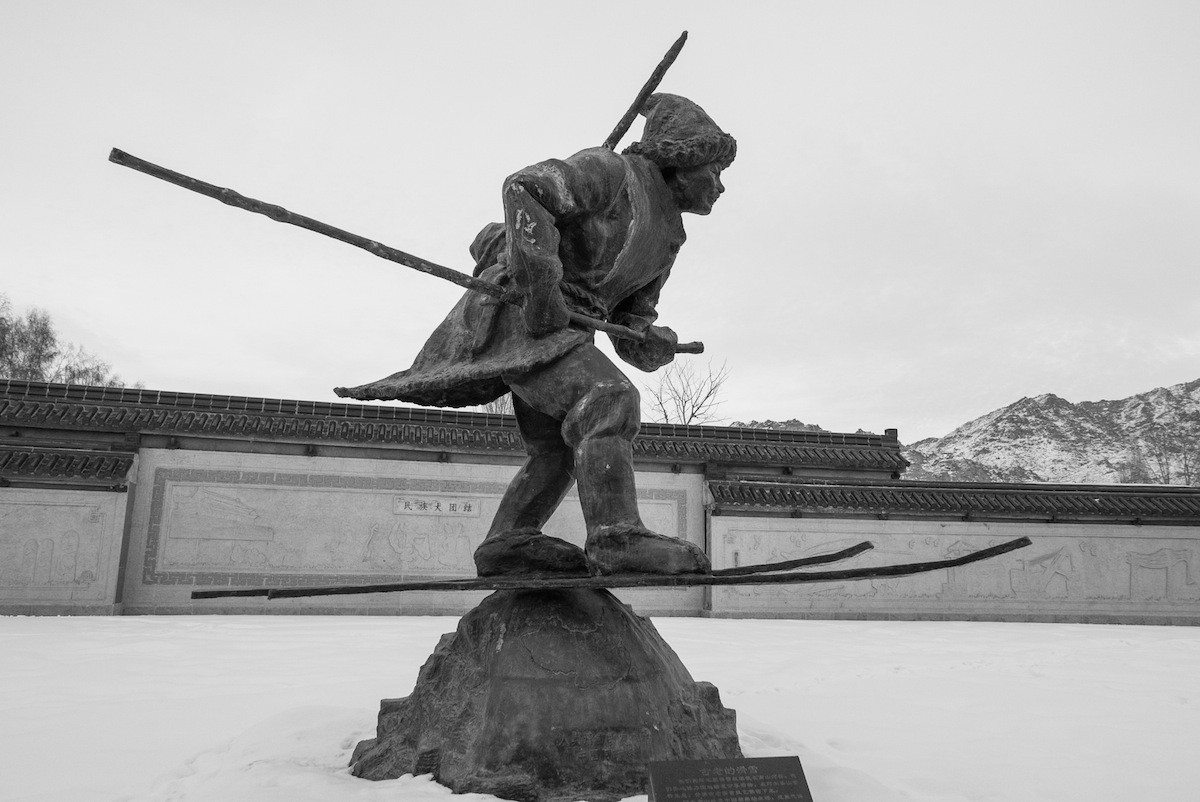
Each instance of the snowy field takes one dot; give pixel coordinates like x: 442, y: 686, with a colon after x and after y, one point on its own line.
x: 268, y: 709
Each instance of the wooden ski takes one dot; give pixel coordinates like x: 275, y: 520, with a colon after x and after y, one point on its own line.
x: 762, y: 576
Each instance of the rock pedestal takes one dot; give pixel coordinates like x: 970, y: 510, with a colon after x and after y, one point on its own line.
x: 544, y: 696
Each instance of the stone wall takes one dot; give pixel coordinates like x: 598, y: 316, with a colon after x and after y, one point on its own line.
x: 1095, y: 572
x: 60, y: 551
x: 125, y: 501
x: 208, y: 520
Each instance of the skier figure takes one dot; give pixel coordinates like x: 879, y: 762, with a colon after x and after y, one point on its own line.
x: 595, y: 233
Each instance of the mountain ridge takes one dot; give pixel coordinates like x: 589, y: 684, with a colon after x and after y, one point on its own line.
x: 1151, y: 437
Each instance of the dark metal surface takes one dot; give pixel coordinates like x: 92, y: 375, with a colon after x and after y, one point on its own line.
x: 626, y: 581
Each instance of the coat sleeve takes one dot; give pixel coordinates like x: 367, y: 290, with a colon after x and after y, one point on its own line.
x: 638, y: 312
x: 537, y: 202
x: 570, y: 188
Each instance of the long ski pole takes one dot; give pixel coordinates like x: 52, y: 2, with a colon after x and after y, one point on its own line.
x: 625, y: 580
x: 647, y: 90
x: 282, y: 215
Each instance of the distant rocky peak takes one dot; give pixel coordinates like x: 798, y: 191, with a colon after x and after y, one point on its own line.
x: 787, y: 425
x: 1149, y: 437
x: 790, y: 425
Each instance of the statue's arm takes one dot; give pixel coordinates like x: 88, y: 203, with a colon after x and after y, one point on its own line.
x: 537, y: 201
x: 638, y: 312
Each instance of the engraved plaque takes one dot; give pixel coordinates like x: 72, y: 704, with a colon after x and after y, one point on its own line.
x: 436, y: 505
x: 760, y: 779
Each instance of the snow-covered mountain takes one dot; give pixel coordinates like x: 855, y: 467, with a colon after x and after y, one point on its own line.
x: 788, y: 425
x: 1151, y: 437
x: 792, y: 425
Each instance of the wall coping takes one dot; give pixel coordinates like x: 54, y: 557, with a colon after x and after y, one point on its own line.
x: 1048, y: 503
x: 132, y: 410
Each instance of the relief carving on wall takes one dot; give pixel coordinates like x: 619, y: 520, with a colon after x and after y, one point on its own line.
x: 50, y: 546
x: 1047, y: 576
x: 220, y: 527
x: 1165, y: 575
x: 1064, y: 568
x: 318, y: 530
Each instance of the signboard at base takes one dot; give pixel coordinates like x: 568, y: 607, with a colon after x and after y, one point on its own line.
x: 759, y: 779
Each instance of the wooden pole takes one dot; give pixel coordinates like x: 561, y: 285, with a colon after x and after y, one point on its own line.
x: 626, y: 581
x: 647, y: 90
x: 282, y: 215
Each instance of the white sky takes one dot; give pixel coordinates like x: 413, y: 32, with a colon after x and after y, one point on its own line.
x: 937, y: 207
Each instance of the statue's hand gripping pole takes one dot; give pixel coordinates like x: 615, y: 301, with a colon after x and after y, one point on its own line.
x: 282, y: 215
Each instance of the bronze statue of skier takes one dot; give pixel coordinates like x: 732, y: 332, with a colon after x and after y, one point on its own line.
x: 596, y: 233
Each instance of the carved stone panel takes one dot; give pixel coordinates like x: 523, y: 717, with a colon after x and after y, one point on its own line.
x: 1123, y: 571
x: 206, y: 519
x: 212, y: 527
x: 59, y: 547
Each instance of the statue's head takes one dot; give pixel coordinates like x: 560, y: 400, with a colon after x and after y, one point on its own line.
x: 689, y: 147
x: 679, y: 133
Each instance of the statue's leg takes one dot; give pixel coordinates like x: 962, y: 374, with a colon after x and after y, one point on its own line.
x: 548, y: 473
x: 600, y: 410
x: 515, y: 543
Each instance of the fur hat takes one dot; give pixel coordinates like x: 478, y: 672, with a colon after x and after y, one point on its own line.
x: 678, y: 133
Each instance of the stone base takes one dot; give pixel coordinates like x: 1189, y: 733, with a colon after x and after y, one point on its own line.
x: 542, y: 696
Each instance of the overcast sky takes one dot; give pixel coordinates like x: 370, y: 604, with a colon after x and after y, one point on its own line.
x: 937, y: 207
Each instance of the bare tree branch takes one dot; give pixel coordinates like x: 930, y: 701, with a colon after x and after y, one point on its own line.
x: 685, y: 395
x: 501, y: 406
x: 1161, y: 447
x: 31, y: 350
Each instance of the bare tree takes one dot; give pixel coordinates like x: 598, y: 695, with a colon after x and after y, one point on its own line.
x: 1188, y: 466
x: 31, y: 350
x: 1161, y: 447
x: 501, y: 406
x: 28, y: 344
x: 684, y: 394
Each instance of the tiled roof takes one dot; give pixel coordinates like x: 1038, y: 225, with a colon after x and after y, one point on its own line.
x: 33, y: 464
x: 753, y: 451
x: 123, y: 410
x: 107, y: 409
x: 1144, y: 504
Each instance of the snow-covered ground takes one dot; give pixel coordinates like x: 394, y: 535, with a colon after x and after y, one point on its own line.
x: 268, y: 709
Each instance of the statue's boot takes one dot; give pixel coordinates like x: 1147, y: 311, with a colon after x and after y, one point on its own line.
x: 634, y: 549
x: 592, y: 444
x: 529, y: 552
x: 515, y: 544
x: 618, y: 542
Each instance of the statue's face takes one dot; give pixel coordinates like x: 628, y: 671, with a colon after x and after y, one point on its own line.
x: 696, y: 189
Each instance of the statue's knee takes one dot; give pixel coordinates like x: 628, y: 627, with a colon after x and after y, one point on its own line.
x: 610, y: 409
x: 552, y: 449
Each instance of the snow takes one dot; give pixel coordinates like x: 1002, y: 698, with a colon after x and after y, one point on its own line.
x: 228, y: 708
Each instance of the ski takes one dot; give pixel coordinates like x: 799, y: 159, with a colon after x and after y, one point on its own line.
x: 763, y: 576
x: 783, y: 565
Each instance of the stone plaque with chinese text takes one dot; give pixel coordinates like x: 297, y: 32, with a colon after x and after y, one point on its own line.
x: 436, y: 505
x: 762, y: 779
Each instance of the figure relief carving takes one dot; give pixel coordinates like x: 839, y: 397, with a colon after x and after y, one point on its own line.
x: 277, y: 525
x: 956, y: 585
x: 66, y: 552
x: 1046, y: 577
x: 1164, y: 574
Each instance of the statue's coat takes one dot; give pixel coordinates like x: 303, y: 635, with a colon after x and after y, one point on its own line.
x: 619, y: 229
